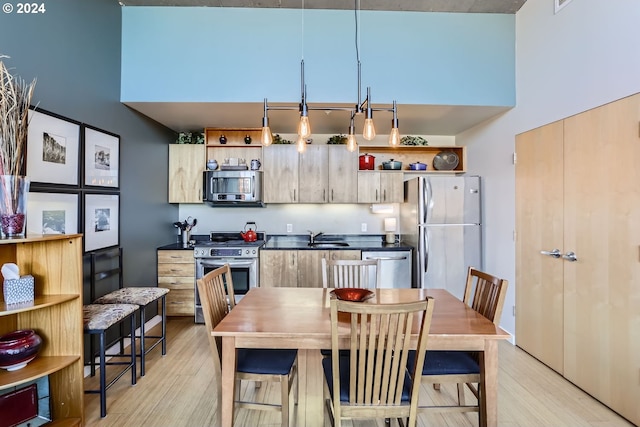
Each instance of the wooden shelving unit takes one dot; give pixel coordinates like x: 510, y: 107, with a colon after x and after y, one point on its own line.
x: 55, y: 262
x: 235, y: 145
x: 408, y: 154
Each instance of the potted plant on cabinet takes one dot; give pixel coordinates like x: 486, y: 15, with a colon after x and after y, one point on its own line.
x: 15, y: 98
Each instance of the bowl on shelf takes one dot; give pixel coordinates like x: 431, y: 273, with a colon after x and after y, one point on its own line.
x: 18, y: 348
x: 352, y: 294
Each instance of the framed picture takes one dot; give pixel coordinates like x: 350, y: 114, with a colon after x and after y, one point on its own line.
x: 53, y: 149
x: 559, y: 4
x: 52, y: 213
x: 101, y: 158
x: 101, y: 221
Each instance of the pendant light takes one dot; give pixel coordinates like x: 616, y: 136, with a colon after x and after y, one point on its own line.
x: 266, y: 137
x: 352, y: 144
x: 364, y: 107
x: 394, y: 136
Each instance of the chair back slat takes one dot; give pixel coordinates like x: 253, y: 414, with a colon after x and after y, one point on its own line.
x: 488, y: 294
x: 379, y: 342
x: 345, y: 273
x: 216, y: 296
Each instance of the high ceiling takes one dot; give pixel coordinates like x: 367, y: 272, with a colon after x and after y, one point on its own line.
x: 414, y: 119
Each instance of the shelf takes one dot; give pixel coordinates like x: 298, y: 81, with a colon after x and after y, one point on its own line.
x: 408, y: 154
x: 235, y: 137
x: 38, y: 367
x: 36, y: 304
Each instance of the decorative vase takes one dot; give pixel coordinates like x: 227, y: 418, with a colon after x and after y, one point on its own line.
x: 247, y: 139
x: 13, y: 204
x: 18, y: 348
x: 222, y: 139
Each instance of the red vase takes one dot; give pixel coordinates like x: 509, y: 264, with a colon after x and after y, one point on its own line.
x: 18, y: 348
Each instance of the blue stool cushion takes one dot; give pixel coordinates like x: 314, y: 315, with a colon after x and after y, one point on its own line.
x: 265, y: 361
x: 446, y: 362
x: 344, y: 379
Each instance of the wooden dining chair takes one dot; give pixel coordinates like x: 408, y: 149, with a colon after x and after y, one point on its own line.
x: 373, y: 380
x: 350, y: 273
x: 261, y: 365
x: 461, y: 367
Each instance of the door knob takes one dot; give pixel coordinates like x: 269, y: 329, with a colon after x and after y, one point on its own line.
x: 554, y: 253
x: 570, y: 256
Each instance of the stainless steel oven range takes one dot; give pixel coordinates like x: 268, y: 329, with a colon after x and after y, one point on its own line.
x: 228, y: 248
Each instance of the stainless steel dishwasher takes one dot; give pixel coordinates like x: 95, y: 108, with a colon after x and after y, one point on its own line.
x: 395, y: 267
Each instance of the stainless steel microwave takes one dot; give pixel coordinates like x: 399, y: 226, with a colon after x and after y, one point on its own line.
x: 233, y: 188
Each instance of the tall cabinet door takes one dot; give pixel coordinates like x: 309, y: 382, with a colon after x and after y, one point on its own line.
x: 314, y: 175
x: 539, y: 227
x: 343, y: 175
x: 281, y: 174
x: 602, y: 227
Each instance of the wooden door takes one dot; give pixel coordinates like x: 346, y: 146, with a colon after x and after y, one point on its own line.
x: 186, y: 165
x: 368, y: 187
x: 279, y: 268
x: 539, y: 227
x: 310, y: 268
x: 343, y: 175
x: 314, y: 175
x: 280, y: 174
x: 391, y: 187
x: 602, y: 227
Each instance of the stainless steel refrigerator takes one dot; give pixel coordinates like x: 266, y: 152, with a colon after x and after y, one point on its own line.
x: 441, y: 219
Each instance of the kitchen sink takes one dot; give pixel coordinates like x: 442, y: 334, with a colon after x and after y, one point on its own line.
x: 328, y: 244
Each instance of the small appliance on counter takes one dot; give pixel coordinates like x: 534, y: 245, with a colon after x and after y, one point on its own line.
x: 233, y: 249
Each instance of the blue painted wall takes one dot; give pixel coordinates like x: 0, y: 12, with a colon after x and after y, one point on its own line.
x: 175, y: 54
x: 73, y: 49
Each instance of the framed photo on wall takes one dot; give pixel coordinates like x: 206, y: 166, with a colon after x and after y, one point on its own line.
x: 101, y: 158
x: 52, y: 213
x: 53, y: 149
x: 101, y: 221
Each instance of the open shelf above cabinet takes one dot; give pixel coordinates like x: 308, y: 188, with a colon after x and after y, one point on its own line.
x: 414, y: 154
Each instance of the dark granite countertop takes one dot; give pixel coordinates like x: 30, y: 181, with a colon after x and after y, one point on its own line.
x: 362, y: 242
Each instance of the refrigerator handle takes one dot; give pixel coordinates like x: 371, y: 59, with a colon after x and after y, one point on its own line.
x: 424, y: 250
x: 427, y: 200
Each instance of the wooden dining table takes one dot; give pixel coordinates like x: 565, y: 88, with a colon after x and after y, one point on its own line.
x: 299, y: 318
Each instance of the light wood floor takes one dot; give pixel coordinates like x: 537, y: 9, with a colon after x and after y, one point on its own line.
x: 178, y: 390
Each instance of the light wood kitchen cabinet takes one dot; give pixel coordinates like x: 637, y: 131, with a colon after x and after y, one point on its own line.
x: 186, y: 164
x: 55, y: 262
x: 380, y: 187
x: 280, y: 174
x: 589, y: 199
x: 313, y: 175
x: 235, y: 145
x: 343, y: 175
x: 176, y: 272
x: 293, y: 268
x: 279, y: 268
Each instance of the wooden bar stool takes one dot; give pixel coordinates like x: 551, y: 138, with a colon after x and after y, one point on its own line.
x: 142, y: 297
x: 97, y: 319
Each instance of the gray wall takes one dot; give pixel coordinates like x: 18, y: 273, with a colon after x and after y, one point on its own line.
x: 73, y: 49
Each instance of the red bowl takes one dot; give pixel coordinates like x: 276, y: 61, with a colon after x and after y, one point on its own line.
x: 352, y: 294
x: 18, y: 348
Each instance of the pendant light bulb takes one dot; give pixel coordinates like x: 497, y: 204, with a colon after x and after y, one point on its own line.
x: 266, y: 137
x: 394, y: 136
x: 352, y: 144
x: 301, y: 144
x: 369, y: 131
x: 304, y: 127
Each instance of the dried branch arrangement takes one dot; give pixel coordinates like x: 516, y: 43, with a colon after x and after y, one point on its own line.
x: 15, y: 98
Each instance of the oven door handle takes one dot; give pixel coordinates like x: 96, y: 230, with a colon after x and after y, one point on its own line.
x: 222, y: 262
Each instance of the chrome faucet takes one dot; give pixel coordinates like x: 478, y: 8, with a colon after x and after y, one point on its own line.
x: 312, y: 237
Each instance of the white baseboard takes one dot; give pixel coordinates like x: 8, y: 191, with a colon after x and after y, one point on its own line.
x: 127, y: 342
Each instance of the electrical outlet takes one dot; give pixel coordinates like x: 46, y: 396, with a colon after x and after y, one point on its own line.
x: 289, y: 228
x: 363, y: 227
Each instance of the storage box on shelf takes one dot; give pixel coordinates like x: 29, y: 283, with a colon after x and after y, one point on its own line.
x: 55, y: 262
x: 408, y: 154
